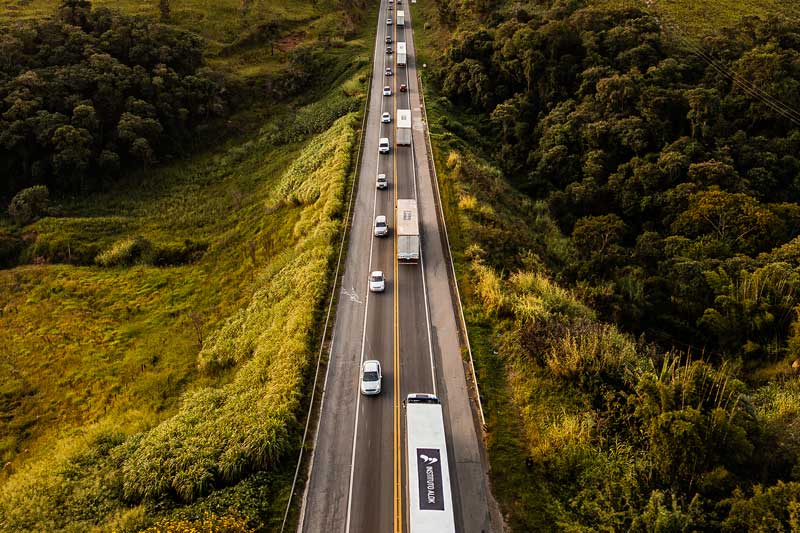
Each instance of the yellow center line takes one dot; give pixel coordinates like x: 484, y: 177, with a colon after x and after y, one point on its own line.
x: 398, y: 470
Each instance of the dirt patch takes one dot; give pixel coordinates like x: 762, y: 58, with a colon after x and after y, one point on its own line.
x: 290, y: 41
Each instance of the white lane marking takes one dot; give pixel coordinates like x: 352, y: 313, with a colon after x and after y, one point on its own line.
x: 363, y: 335
x: 352, y: 294
x: 421, y: 255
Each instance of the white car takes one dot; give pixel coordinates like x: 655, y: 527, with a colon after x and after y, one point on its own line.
x: 377, y: 283
x: 381, y: 182
x: 388, y: 22
x: 388, y: 71
x: 371, y: 377
x: 381, y: 226
x: 387, y: 91
x: 383, y: 145
x: 386, y: 117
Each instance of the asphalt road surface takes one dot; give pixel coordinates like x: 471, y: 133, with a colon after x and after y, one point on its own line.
x: 357, y: 481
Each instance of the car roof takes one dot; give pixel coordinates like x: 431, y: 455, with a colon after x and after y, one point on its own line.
x: 384, y: 139
x: 377, y: 272
x: 381, y: 175
x: 372, y: 364
x: 380, y: 218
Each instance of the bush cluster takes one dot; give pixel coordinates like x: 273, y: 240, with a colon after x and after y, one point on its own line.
x: 133, y: 250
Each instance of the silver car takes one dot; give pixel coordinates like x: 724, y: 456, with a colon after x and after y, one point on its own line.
x: 381, y: 226
x: 377, y: 283
x: 371, y: 377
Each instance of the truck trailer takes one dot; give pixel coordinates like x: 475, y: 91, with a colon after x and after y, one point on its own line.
x: 430, y: 499
x: 401, y: 18
x: 401, y: 54
x: 403, y: 127
x: 407, y: 231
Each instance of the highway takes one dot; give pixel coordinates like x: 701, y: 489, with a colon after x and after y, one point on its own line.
x: 357, y: 477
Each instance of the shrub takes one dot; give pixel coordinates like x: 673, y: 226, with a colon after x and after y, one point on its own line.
x: 210, y: 523
x: 171, y: 254
x: 593, y: 349
x: 29, y: 204
x: 124, y: 253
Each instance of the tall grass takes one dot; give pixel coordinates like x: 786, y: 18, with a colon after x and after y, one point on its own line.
x: 219, y: 434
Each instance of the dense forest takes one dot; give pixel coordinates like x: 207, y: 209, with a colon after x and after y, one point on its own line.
x: 89, y: 91
x: 677, y: 175
x: 661, y: 301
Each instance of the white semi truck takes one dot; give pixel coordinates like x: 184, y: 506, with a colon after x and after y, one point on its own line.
x: 403, y: 127
x: 401, y: 54
x: 407, y: 222
x: 430, y: 500
x: 401, y: 18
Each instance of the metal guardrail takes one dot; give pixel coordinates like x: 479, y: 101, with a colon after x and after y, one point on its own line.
x: 465, y: 333
x: 356, y: 170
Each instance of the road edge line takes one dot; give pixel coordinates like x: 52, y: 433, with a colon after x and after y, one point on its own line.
x: 440, y: 215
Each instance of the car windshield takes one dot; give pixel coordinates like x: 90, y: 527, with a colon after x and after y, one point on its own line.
x: 380, y: 223
x: 370, y: 376
x: 377, y: 278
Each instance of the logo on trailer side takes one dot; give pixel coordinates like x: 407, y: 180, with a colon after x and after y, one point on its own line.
x: 429, y: 478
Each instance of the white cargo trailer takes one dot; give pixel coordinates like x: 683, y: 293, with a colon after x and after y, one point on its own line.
x: 430, y: 501
x: 401, y: 18
x: 401, y: 54
x: 407, y: 231
x: 403, y: 127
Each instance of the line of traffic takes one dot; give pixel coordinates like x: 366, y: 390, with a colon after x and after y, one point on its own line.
x: 363, y: 342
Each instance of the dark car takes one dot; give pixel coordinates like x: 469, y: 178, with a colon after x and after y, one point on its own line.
x: 403, y: 87
x: 389, y: 50
x: 388, y: 40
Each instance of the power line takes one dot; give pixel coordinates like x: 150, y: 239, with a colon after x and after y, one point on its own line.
x: 783, y: 109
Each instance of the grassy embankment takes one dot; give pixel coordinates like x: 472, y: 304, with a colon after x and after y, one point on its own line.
x: 138, y: 391
x: 489, y: 222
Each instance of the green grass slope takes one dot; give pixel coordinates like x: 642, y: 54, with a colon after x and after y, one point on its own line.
x: 699, y: 18
x: 164, y: 381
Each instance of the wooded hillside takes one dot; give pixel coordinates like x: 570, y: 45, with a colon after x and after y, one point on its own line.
x: 627, y: 205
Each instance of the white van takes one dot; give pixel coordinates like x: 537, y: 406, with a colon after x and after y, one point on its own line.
x: 383, y: 145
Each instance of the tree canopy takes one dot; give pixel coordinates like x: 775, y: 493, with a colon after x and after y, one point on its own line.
x: 89, y: 91
x: 666, y: 167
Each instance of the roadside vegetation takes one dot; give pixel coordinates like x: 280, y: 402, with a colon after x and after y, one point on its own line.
x: 158, y: 326
x: 623, y: 207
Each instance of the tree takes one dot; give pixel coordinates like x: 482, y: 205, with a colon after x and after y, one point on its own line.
x: 597, y: 240
x: 73, y: 153
x: 29, y: 204
x: 736, y: 220
x: 704, y: 111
